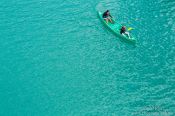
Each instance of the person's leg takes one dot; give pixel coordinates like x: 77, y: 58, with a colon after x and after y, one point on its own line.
x: 106, y: 20
x: 127, y: 33
x: 110, y: 20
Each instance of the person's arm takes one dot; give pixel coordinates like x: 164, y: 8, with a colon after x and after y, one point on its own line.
x: 110, y: 15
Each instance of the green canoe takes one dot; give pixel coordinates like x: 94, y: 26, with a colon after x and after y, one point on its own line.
x: 115, y: 28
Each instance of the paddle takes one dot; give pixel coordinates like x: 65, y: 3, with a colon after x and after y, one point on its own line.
x: 130, y: 28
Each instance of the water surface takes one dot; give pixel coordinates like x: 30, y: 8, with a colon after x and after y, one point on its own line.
x: 57, y: 58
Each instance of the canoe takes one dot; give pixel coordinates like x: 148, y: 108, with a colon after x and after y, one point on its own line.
x: 115, y: 28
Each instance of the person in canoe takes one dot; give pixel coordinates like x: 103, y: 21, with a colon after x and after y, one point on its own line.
x: 124, y: 32
x: 107, y: 16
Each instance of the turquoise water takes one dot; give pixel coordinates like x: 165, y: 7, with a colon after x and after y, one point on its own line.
x: 57, y: 59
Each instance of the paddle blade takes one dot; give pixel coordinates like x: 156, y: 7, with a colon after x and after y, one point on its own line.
x: 130, y: 28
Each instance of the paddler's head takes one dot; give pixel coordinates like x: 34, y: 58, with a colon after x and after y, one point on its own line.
x: 123, y: 28
x: 107, y: 11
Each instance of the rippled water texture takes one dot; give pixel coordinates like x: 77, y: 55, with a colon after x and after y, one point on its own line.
x: 57, y: 58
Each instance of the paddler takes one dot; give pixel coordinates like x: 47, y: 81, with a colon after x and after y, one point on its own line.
x: 124, y: 32
x: 107, y: 16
